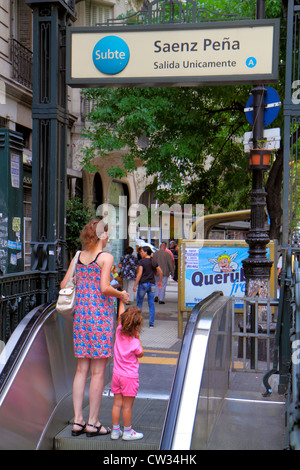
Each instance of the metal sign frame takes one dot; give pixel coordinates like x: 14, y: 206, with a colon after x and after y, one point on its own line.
x: 146, y: 81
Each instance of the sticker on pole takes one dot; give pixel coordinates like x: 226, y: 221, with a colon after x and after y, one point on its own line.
x: 111, y: 55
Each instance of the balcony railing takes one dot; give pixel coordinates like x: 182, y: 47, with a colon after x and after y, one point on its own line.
x: 21, y: 59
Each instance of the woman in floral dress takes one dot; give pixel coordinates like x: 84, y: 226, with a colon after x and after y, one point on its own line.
x: 93, y: 325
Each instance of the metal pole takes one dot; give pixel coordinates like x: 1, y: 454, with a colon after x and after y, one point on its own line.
x: 258, y: 91
x: 260, y: 9
x: 289, y: 112
x: 257, y: 266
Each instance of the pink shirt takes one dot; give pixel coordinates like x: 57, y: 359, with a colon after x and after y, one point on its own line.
x: 125, y: 354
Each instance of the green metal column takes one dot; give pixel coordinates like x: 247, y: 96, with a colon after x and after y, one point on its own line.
x: 289, y: 110
x: 11, y: 202
x: 50, y: 117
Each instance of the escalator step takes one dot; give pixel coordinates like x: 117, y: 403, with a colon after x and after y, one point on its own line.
x: 149, y: 442
x: 148, y: 418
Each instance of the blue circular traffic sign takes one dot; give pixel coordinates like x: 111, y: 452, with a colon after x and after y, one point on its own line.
x: 271, y: 106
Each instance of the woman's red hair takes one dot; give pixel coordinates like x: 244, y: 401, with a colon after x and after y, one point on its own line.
x: 88, y: 236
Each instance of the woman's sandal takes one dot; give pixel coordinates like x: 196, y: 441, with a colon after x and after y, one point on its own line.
x: 97, y: 433
x: 80, y: 431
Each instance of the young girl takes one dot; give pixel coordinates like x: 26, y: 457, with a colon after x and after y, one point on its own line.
x: 125, y: 381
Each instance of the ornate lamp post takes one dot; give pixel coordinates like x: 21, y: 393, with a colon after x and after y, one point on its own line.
x: 257, y: 266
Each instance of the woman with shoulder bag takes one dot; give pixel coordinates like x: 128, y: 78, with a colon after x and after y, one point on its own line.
x: 93, y: 324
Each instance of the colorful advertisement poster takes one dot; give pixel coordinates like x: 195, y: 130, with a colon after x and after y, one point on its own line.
x: 217, y: 267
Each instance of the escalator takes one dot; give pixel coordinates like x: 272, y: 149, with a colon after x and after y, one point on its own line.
x: 37, y: 371
x: 38, y: 367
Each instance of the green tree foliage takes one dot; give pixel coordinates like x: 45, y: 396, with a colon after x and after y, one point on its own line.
x: 190, y: 134
x: 78, y: 215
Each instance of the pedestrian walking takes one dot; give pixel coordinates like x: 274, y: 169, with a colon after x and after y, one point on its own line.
x: 125, y: 379
x: 93, y: 324
x: 174, y: 250
x: 165, y: 262
x: 128, y: 266
x: 138, y: 252
x: 145, y: 281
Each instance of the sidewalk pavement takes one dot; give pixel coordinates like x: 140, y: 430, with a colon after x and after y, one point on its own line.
x: 161, y: 346
x: 164, y: 335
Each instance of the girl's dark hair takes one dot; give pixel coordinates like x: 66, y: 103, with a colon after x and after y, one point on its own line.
x: 131, y: 320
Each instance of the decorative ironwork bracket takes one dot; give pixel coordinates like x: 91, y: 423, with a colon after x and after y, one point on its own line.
x: 171, y: 12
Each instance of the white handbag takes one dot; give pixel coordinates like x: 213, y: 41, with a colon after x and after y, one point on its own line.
x: 65, y: 304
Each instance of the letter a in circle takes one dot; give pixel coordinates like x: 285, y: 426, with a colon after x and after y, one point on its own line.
x: 251, y: 62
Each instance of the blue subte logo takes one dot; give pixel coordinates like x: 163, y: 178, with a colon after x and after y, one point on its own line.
x: 111, y: 55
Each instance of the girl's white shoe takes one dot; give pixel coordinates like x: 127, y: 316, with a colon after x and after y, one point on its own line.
x: 116, y: 434
x: 132, y: 435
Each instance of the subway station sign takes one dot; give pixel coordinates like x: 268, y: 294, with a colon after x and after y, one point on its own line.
x: 173, y: 55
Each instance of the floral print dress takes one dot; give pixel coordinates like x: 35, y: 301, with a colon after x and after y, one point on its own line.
x: 93, y: 322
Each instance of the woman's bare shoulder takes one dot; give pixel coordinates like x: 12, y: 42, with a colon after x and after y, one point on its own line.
x: 105, y: 258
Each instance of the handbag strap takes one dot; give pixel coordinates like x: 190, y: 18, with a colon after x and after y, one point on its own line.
x: 75, y: 263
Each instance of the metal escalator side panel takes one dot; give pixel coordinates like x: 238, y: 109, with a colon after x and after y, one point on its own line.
x: 15, y: 347
x: 179, y: 376
x: 215, y: 377
x: 190, y: 392
x: 37, y: 376
x: 29, y: 400
x: 201, y: 377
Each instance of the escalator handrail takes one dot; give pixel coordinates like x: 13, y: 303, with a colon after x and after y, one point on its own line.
x: 40, y: 313
x: 179, y: 376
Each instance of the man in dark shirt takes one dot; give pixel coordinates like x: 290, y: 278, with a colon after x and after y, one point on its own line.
x: 145, y: 281
x: 174, y: 249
